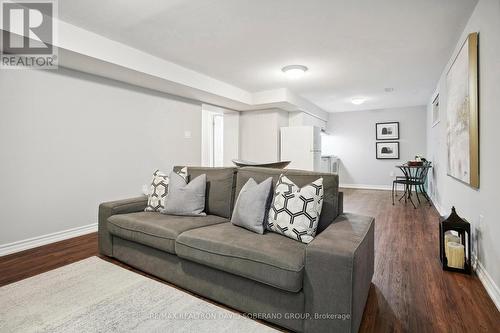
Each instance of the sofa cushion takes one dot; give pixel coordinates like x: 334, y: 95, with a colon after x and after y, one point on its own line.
x: 220, y: 188
x: 295, y: 211
x: 269, y: 258
x: 155, y: 229
x: 330, y: 209
x: 250, y: 210
x: 186, y: 199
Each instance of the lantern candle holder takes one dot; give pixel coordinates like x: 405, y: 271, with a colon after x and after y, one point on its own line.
x: 454, y: 243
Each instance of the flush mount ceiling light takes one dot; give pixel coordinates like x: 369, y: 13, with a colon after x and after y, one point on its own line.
x: 294, y: 71
x: 358, y: 101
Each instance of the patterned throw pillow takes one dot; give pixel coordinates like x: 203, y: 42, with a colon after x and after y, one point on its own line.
x: 159, y: 190
x: 295, y: 211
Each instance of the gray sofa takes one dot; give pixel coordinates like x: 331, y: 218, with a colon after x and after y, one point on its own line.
x: 317, y: 287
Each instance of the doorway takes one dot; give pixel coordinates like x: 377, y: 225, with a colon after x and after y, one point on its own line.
x: 217, y: 146
x: 212, y: 145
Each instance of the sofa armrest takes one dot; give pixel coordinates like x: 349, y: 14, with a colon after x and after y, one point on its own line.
x: 338, y: 271
x: 107, y: 209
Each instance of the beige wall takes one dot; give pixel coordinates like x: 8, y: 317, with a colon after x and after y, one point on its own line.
x: 447, y: 192
x: 69, y: 141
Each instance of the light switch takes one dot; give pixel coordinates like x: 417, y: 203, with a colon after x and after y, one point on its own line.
x: 187, y: 134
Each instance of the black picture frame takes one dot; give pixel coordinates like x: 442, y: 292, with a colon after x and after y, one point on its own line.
x: 390, y: 137
x: 386, y: 158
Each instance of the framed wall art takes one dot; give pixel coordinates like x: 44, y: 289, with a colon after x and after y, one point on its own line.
x: 387, y: 131
x: 387, y: 150
x: 462, y: 114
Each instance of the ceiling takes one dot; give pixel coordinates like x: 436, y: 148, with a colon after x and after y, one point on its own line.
x: 353, y: 48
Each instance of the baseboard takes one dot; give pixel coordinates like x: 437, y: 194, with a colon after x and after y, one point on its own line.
x: 488, y: 283
x: 438, y: 207
x: 367, y: 187
x: 46, y: 239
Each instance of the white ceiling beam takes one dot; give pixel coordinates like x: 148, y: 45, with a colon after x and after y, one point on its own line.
x: 88, y: 52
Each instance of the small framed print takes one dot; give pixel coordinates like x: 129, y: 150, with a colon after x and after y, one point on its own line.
x: 387, y: 131
x: 435, y: 111
x: 387, y: 150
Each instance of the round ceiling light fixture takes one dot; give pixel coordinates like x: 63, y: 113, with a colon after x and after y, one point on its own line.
x: 294, y: 71
x: 358, y: 100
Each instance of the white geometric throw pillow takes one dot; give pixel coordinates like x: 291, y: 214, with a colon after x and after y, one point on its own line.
x: 295, y: 211
x: 159, y: 190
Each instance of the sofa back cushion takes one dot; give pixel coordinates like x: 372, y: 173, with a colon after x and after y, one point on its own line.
x: 330, y: 209
x: 221, y: 182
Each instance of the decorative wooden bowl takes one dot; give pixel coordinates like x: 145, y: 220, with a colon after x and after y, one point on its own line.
x: 272, y: 165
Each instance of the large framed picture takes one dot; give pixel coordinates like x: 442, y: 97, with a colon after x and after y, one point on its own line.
x: 462, y: 114
x: 387, y: 131
x: 387, y: 150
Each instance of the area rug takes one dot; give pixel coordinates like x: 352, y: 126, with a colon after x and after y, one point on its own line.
x: 94, y: 295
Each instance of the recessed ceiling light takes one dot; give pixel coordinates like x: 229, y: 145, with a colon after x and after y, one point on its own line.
x: 389, y: 89
x: 294, y: 71
x: 358, y: 101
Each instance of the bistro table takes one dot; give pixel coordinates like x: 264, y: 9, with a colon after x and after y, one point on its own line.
x: 414, y: 176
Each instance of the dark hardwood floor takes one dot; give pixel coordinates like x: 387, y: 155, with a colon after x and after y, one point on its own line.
x: 409, y: 293
x: 21, y: 265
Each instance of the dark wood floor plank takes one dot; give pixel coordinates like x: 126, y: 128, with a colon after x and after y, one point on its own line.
x: 410, y: 292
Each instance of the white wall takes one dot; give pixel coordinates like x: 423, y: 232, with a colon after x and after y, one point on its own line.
x: 69, y: 141
x: 304, y: 119
x: 471, y: 203
x: 259, y: 134
x: 352, y: 139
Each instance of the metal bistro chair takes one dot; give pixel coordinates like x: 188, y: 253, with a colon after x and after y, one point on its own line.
x: 414, y: 176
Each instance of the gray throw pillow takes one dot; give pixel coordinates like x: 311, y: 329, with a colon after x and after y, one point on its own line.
x: 251, y: 206
x: 159, y: 190
x: 186, y: 199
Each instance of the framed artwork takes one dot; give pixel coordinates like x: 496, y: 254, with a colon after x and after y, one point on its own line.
x: 435, y: 111
x: 462, y: 114
x: 387, y: 150
x: 387, y: 131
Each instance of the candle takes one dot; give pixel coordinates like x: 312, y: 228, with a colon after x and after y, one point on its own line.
x: 450, y: 237
x: 456, y: 255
